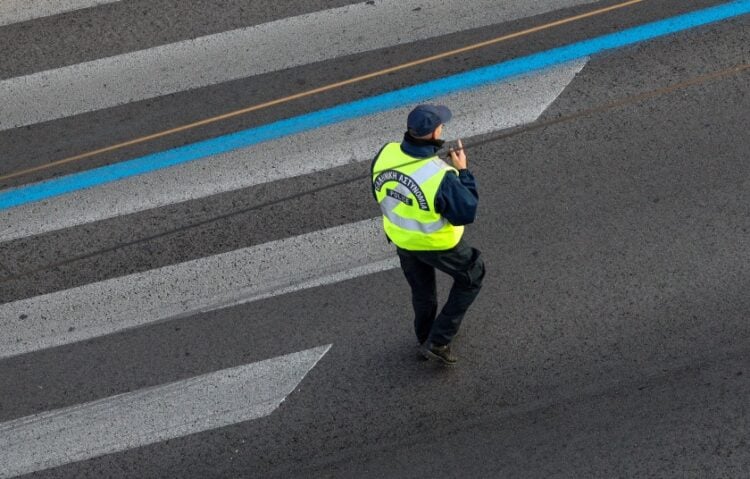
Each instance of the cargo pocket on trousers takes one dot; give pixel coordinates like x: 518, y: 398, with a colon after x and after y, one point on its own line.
x: 475, y: 273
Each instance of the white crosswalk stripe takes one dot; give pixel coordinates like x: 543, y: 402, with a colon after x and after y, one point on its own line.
x: 477, y: 112
x: 321, y: 257
x: 218, y: 58
x: 142, y: 417
x: 275, y: 268
x: 16, y: 11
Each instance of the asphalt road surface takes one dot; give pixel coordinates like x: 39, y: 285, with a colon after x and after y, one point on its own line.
x: 240, y: 314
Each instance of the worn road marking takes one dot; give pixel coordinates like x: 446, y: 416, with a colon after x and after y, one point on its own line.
x: 242, y: 53
x: 151, y: 415
x: 16, y: 11
x: 269, y: 269
x: 368, y: 106
x: 477, y: 112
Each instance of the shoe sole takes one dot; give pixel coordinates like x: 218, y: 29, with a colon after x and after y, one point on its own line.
x: 427, y: 354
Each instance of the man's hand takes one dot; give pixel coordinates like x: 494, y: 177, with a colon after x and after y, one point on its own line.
x: 459, y: 158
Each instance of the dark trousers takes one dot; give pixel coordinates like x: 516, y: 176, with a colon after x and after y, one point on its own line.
x: 464, y: 264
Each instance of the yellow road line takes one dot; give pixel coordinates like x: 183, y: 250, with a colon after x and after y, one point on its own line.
x: 619, y: 103
x: 325, y: 88
x: 622, y: 102
x: 629, y: 100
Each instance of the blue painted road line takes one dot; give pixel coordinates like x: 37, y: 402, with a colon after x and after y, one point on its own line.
x: 368, y: 106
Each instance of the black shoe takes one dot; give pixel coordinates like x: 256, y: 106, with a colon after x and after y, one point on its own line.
x: 440, y: 353
x: 420, y: 346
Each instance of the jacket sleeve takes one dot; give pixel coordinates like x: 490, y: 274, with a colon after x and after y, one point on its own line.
x: 457, y: 198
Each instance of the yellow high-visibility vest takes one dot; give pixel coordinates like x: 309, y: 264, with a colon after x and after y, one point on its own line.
x: 405, y: 188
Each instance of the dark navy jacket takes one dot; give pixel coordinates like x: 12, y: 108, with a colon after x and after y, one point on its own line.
x: 457, y: 198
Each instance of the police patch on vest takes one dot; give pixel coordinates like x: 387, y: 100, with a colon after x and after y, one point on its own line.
x: 406, y: 181
x: 398, y: 196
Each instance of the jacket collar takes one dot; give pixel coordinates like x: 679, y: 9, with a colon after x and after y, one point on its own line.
x: 420, y: 148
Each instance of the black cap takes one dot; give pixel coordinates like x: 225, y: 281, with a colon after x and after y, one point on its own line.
x: 425, y: 118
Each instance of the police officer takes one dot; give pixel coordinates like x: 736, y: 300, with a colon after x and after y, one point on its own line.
x: 425, y: 204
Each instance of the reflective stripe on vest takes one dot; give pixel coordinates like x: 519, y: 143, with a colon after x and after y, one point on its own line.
x: 389, y: 204
x: 406, y: 196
